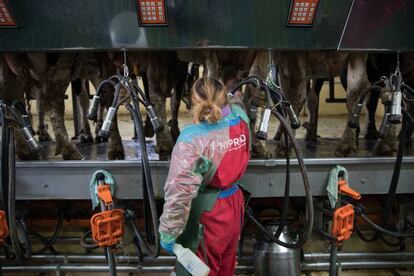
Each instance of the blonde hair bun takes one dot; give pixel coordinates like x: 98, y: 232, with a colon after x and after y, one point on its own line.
x: 208, y: 97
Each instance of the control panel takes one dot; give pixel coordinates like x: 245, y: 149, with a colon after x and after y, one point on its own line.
x: 152, y: 12
x: 302, y: 12
x: 6, y: 17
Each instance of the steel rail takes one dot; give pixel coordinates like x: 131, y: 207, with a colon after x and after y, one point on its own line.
x: 69, y: 180
x: 309, y: 257
x: 306, y: 266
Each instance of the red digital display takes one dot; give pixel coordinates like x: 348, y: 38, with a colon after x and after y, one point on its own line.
x: 302, y: 12
x: 152, y: 12
x: 6, y: 17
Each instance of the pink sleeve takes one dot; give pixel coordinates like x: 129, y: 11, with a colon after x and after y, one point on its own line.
x: 180, y: 188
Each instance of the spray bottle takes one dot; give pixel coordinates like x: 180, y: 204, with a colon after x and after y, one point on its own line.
x: 190, y: 261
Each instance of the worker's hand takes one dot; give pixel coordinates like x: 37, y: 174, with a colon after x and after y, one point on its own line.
x: 167, y: 242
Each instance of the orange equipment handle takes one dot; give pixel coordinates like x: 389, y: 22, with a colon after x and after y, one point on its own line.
x: 104, y: 193
x: 346, y: 190
x: 343, y: 222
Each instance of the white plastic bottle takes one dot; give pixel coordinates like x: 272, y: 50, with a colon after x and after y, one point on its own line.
x: 190, y: 261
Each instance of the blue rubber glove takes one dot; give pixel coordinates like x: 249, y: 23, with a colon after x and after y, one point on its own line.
x: 167, y: 242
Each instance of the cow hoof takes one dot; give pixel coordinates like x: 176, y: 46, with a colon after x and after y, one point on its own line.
x: 372, y: 133
x: 164, y: 149
x: 100, y: 139
x: 385, y: 149
x: 86, y: 139
x: 43, y: 135
x: 344, y: 149
x: 259, y: 149
x: 280, y: 151
x: 71, y: 154
x: 175, y: 132
x: 277, y: 136
x: 311, y: 137
x: 27, y: 155
x: 149, y: 130
x: 116, y: 152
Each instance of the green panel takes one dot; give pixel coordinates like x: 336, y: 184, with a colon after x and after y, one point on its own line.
x: 109, y: 24
x: 380, y: 25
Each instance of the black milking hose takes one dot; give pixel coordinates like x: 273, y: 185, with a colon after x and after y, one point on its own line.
x: 385, y: 231
x: 4, y: 158
x: 285, y: 208
x: 147, y: 185
x: 45, y: 241
x: 49, y: 243
x: 379, y: 229
x: 309, y: 201
x: 22, y: 250
x: 86, y: 244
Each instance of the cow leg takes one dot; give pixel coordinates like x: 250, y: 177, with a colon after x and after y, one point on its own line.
x: 387, y: 145
x: 115, y: 147
x: 10, y: 82
x: 148, y: 128
x: 42, y: 132
x: 53, y: 91
x: 312, y: 103
x: 371, y: 129
x: 212, y: 65
x: 163, y: 138
x: 253, y: 99
x: 83, y: 102
x: 100, y: 113
x: 98, y: 125
x: 55, y: 110
x: 293, y: 83
x: 357, y: 82
x: 175, y: 107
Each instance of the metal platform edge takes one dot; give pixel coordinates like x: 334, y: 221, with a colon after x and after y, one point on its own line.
x: 57, y: 180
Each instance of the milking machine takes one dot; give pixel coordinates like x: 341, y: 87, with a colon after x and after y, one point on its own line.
x: 276, y: 245
x: 14, y: 234
x: 395, y: 102
x: 128, y: 93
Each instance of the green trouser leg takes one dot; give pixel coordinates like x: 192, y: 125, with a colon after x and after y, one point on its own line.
x: 194, y: 231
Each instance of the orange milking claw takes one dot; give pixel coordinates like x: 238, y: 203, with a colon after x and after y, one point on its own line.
x: 343, y: 222
x: 107, y: 227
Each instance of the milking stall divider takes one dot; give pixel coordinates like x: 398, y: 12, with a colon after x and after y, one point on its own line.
x: 101, y: 25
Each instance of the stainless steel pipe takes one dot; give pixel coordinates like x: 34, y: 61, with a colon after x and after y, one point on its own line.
x: 306, y: 266
x: 317, y: 266
x: 361, y: 255
x: 312, y: 256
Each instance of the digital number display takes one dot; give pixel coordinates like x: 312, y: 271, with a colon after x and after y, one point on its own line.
x: 6, y: 17
x: 152, y: 13
x: 302, y: 12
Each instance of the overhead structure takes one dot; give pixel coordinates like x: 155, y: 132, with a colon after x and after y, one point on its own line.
x: 162, y: 24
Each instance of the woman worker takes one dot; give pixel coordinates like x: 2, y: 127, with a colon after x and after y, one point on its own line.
x: 204, y: 205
